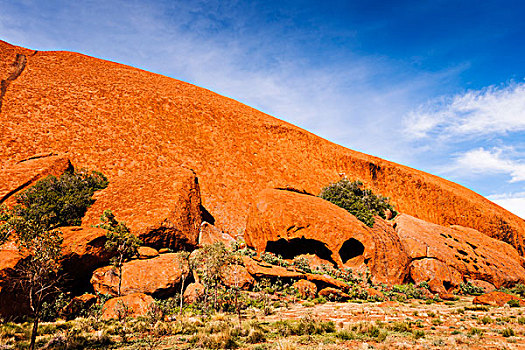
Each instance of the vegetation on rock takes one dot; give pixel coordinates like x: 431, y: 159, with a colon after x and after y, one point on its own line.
x: 62, y: 201
x: 360, y: 202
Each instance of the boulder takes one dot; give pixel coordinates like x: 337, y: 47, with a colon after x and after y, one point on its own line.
x: 323, y: 281
x: 261, y: 269
x: 496, y: 299
x: 16, y: 177
x: 375, y: 294
x: 236, y: 276
x: 82, y: 252
x: 446, y: 256
x: 161, y: 276
x: 77, y: 305
x: 132, y: 305
x: 333, y: 294
x: 306, y: 289
x: 210, y: 234
x: 193, y: 293
x: 163, y: 211
x: 292, y: 224
x: 147, y: 253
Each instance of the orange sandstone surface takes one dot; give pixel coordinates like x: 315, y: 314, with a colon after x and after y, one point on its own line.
x: 126, y: 122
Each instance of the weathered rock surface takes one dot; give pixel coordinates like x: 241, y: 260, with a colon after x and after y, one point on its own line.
x: 123, y: 121
x: 163, y: 211
x: 486, y: 286
x: 323, y: 281
x: 290, y: 224
x: 193, y: 293
x: 236, y: 276
x: 306, y: 289
x: 19, y: 176
x: 445, y: 256
x: 160, y: 276
x: 496, y: 299
x: 210, y: 234
x: 132, y: 305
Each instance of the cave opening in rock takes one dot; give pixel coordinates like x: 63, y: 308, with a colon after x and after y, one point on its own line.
x: 289, y: 249
x: 351, y: 249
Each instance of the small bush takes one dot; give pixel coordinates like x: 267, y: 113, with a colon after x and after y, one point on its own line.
x: 470, y: 289
x: 475, y: 331
x: 514, y: 303
x: 418, y: 333
x: 361, y: 203
x: 508, y: 332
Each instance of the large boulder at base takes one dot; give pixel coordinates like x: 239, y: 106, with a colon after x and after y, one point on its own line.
x: 163, y: 211
x: 446, y: 256
x: 193, y: 293
x: 132, y: 305
x: 487, y: 287
x: 290, y: 224
x: 210, y: 234
x: 161, y: 276
x: 496, y: 299
x: 83, y: 251
x: 236, y: 276
x: 147, y: 253
x: 16, y: 177
x: 306, y: 289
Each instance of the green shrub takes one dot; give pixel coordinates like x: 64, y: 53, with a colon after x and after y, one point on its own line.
x: 63, y: 201
x: 470, y: 289
x: 514, y: 303
x: 361, y: 203
x: 508, y: 332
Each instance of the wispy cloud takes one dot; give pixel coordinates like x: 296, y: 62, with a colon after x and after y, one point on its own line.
x: 489, y: 111
x: 489, y: 162
x: 354, y: 100
x: 513, y: 202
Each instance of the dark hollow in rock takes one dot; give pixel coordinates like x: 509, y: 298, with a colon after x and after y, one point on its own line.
x: 351, y: 249
x: 289, y: 249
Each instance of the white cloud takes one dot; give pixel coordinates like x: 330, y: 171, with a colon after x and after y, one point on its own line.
x: 492, y: 110
x: 489, y: 162
x: 513, y: 202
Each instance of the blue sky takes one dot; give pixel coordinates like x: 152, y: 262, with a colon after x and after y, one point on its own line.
x: 436, y: 85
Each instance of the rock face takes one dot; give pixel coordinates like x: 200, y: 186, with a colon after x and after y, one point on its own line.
x: 124, y: 122
x: 160, y: 276
x: 133, y: 305
x: 445, y: 257
x: 163, y: 211
x: 17, y: 177
x: 290, y: 224
x: 210, y: 234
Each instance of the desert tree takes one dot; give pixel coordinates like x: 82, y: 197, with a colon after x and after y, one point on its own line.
x: 38, y: 273
x: 120, y: 241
